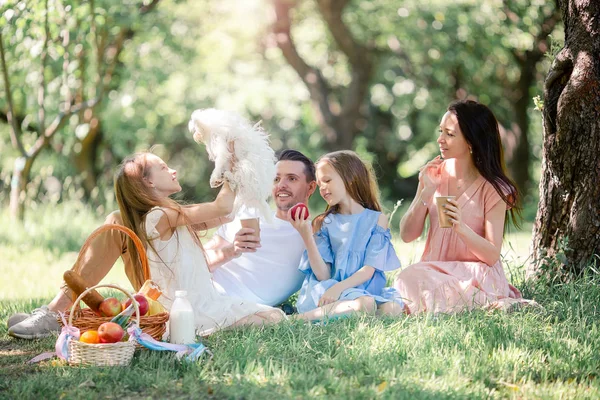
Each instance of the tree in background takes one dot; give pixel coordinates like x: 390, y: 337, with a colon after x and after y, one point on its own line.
x: 78, y: 48
x: 340, y: 110
x: 567, y: 228
x: 420, y: 56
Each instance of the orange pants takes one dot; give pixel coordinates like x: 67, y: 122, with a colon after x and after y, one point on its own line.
x: 102, y: 254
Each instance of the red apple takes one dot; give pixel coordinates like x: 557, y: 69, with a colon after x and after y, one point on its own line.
x: 110, y: 307
x: 110, y: 332
x: 300, y: 207
x: 142, y: 303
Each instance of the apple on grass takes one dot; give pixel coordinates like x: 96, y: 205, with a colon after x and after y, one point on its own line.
x: 142, y: 303
x: 109, y: 332
x: 110, y: 307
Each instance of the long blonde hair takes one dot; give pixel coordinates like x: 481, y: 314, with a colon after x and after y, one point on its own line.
x: 359, y: 179
x: 135, y: 200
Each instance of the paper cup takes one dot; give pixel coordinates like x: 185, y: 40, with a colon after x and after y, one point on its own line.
x: 443, y: 218
x: 253, y: 223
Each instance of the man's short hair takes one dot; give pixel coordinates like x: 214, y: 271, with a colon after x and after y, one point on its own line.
x: 294, y: 155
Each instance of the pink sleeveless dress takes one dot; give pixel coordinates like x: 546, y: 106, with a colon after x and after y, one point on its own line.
x: 449, y: 278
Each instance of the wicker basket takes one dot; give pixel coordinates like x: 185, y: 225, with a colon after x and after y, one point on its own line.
x: 86, y: 319
x: 102, y: 354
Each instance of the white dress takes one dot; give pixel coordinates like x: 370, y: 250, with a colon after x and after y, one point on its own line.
x: 179, y: 264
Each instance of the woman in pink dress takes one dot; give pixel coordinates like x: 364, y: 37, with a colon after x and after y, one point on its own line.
x: 460, y: 268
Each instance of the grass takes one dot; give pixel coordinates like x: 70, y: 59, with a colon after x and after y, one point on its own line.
x: 549, y: 353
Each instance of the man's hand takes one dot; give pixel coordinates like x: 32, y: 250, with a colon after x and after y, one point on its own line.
x: 331, y: 295
x: 245, y: 241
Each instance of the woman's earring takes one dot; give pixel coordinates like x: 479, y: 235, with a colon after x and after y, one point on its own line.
x: 470, y: 150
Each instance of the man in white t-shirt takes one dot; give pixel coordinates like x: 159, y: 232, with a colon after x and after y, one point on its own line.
x: 265, y: 271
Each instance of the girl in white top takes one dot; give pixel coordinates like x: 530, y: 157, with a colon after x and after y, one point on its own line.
x: 143, y: 184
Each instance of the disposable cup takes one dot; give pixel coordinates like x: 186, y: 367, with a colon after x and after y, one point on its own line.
x: 253, y: 223
x: 443, y: 218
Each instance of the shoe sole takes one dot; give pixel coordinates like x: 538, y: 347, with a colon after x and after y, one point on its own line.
x: 32, y: 337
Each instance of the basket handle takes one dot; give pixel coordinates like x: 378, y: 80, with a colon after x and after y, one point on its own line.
x: 136, y: 241
x: 108, y: 285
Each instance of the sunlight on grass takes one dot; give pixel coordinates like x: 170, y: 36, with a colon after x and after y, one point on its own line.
x: 35, y: 255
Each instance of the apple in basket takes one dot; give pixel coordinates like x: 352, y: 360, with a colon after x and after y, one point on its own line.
x: 110, y: 307
x: 109, y: 332
x: 142, y: 303
x: 299, y: 208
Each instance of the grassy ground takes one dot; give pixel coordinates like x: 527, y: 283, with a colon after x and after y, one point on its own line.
x: 550, y: 353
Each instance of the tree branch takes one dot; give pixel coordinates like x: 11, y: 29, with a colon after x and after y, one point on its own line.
x: 331, y: 10
x: 19, y: 119
x: 15, y: 131
x: 148, y: 7
x: 44, y: 60
x: 313, y: 79
x: 359, y: 57
x: 66, y: 39
x: 58, y: 123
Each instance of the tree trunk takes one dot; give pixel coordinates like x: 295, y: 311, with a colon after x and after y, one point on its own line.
x: 341, y: 120
x: 18, y: 186
x: 86, y: 159
x: 518, y: 162
x: 566, y: 234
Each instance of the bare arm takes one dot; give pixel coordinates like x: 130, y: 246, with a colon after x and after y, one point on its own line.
x: 412, y: 223
x: 486, y: 248
x: 197, y: 213
x: 357, y: 278
x: 212, y: 223
x: 320, y: 268
x: 219, y: 251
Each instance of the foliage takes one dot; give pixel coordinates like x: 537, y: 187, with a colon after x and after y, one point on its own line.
x: 189, y: 55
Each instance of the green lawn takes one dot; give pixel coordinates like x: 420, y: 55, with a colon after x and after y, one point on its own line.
x: 552, y: 353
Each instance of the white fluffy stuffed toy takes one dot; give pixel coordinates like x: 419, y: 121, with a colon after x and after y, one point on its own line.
x: 241, y: 154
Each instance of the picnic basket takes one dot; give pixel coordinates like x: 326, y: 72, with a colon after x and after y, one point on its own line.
x: 101, y: 354
x: 86, y: 319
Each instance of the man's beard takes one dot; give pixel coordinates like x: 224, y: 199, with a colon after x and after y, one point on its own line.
x: 287, y: 205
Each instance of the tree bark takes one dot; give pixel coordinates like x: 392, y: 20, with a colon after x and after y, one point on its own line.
x: 86, y: 160
x: 566, y: 234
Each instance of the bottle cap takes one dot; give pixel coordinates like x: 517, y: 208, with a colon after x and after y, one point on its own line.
x: 180, y: 293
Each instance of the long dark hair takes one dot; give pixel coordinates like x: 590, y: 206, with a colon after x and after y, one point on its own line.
x: 359, y: 180
x: 480, y: 129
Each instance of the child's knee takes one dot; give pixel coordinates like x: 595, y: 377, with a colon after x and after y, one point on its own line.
x: 272, y: 316
x: 366, y: 304
x: 391, y: 308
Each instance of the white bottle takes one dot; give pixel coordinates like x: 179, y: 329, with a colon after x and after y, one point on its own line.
x: 181, y: 320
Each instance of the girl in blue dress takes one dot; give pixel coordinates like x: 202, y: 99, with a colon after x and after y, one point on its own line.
x: 347, y: 256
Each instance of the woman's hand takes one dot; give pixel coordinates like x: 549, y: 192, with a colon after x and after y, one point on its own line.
x: 429, y: 177
x: 301, y: 222
x: 331, y: 295
x: 454, y: 214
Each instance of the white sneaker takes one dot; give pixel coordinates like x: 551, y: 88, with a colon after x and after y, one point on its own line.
x: 16, y: 318
x: 42, y: 323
